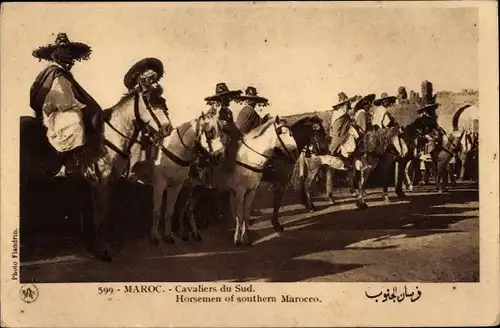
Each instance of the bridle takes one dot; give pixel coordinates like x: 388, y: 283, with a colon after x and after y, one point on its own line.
x: 198, y: 150
x: 455, y: 147
x: 288, y: 154
x: 139, y: 126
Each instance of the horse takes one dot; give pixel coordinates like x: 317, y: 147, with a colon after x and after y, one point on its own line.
x: 192, y: 140
x: 382, y: 148
x: 307, y: 169
x: 140, y: 109
x: 278, y: 171
x: 443, y: 157
x: 256, y: 148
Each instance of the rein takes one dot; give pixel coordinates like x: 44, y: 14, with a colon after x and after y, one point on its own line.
x: 260, y: 170
x: 139, y: 127
x: 181, y: 162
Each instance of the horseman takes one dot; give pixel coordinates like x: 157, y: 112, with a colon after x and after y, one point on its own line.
x: 72, y: 117
x: 361, y: 111
x: 146, y: 74
x: 381, y: 118
x: 429, y: 118
x: 222, y: 98
x: 342, y: 132
x: 248, y: 118
x: 362, y: 121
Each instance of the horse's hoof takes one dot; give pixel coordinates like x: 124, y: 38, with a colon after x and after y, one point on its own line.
x: 387, y: 200
x: 185, y: 237
x: 169, y: 239
x: 197, y: 237
x: 400, y: 194
x: 278, y: 228
x: 332, y: 201
x: 154, y: 240
x: 237, y: 242
x: 361, y: 205
x: 100, y: 252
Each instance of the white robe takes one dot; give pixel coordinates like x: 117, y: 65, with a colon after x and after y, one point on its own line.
x: 62, y: 115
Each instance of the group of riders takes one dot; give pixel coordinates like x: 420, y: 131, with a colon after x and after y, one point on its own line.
x: 74, y: 120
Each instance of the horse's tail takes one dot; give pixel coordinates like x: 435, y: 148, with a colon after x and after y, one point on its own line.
x: 456, y: 116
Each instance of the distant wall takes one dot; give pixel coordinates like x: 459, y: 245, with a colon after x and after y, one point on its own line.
x: 406, y: 113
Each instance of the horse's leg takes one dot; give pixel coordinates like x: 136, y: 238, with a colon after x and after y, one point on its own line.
x: 351, y: 174
x: 313, y: 171
x: 247, y: 208
x: 329, y: 184
x: 159, y: 186
x: 182, y: 203
x: 100, y: 198
x: 463, y: 156
x: 400, y: 177
x: 278, y: 191
x: 236, y: 200
x: 172, y: 194
x: 384, y: 165
x: 192, y: 222
x: 406, y: 172
x: 363, y: 180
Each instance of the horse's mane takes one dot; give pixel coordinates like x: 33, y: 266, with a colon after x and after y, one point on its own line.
x: 378, y: 141
x: 258, y: 131
x: 184, y: 127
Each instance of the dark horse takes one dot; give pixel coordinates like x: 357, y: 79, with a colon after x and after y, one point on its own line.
x: 405, y: 137
x: 277, y: 171
x: 134, y: 113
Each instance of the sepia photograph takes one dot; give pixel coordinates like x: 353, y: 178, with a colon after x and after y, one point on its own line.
x: 240, y: 143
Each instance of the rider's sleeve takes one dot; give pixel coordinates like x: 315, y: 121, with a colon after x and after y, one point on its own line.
x: 387, y: 120
x: 61, y: 97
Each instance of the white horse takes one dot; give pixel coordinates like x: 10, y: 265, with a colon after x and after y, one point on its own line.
x: 140, y: 109
x: 242, y: 182
x: 190, y: 141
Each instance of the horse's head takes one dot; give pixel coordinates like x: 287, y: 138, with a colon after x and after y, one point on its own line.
x: 454, y: 142
x: 310, y: 131
x: 285, y: 141
x: 208, y: 134
x: 151, y: 109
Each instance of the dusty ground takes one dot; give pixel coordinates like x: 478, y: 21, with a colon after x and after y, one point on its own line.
x: 428, y: 237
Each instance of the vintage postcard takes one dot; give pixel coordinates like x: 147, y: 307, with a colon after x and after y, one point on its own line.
x: 249, y: 164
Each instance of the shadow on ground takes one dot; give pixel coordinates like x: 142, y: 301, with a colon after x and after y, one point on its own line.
x: 292, y: 256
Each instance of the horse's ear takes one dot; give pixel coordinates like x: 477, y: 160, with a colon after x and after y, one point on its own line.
x: 212, y: 111
x: 277, y: 118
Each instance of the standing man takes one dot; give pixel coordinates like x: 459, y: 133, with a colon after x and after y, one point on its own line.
x: 72, y: 117
x: 222, y: 98
x: 248, y: 118
x: 381, y: 118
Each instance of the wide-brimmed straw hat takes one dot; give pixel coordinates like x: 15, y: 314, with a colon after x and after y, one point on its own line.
x: 429, y: 109
x: 139, y: 68
x: 252, y: 95
x: 366, y: 100
x: 342, y: 97
x: 77, y: 50
x: 221, y: 90
x: 384, y: 97
x: 344, y: 100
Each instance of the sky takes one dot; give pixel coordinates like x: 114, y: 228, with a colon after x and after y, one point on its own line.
x: 299, y: 56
